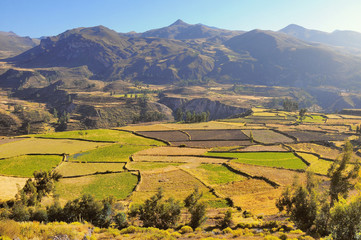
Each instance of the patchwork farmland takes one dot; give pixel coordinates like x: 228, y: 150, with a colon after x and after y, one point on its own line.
x: 237, y: 163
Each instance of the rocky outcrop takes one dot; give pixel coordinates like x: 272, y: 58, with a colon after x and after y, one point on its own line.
x: 216, y: 109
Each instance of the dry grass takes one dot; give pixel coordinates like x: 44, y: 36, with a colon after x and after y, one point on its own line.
x: 259, y: 203
x: 262, y: 148
x: 9, y: 187
x: 204, y: 125
x: 268, y: 136
x: 282, y: 177
x: 212, y: 144
x: 46, y: 146
x: 75, y: 169
x: 152, y: 127
x: 219, y: 134
x: 177, y: 159
x: 171, y: 151
x: 323, y: 151
x: 9, y: 140
x: 176, y: 183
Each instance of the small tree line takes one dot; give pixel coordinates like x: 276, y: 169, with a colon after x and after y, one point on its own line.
x: 191, y: 117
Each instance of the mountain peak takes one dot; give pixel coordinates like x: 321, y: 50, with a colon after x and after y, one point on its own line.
x: 179, y: 22
x: 292, y: 27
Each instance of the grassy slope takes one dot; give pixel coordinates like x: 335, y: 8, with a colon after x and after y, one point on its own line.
x: 270, y: 159
x: 56, y: 146
x: 104, y: 135
x: 24, y: 166
x: 119, y: 185
x: 113, y: 153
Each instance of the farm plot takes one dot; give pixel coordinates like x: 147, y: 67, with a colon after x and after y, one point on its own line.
x: 271, y: 159
x: 282, y: 177
x: 113, y: 153
x: 176, y: 183
x: 268, y: 136
x: 67, y: 169
x: 9, y: 186
x: 308, y: 136
x: 148, y: 166
x: 24, y: 166
x: 217, y: 135
x: 262, y: 148
x: 46, y: 146
x: 169, y: 136
x: 178, y: 159
x: 9, y: 140
x: 172, y: 151
x: 212, y: 144
x: 103, y: 135
x: 214, y: 174
x: 148, y: 127
x: 323, y: 151
x: 119, y: 185
x: 259, y: 203
x: 317, y: 165
x: 204, y: 125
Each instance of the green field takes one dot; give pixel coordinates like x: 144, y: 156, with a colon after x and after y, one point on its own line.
x: 76, y: 169
x: 146, y: 166
x: 270, y: 159
x: 216, y: 174
x: 24, y: 166
x: 46, y: 146
x: 317, y: 165
x: 103, y: 135
x: 314, y: 119
x: 119, y: 185
x: 113, y: 153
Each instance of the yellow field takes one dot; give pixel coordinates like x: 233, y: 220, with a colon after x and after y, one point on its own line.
x: 42, y: 146
x: 9, y: 187
x: 76, y: 169
x: 149, y: 127
x: 323, y: 151
x: 172, y: 151
x: 176, y: 183
x: 317, y: 165
x: 180, y: 159
x: 204, y: 125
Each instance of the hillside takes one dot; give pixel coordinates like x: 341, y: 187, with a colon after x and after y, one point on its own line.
x: 349, y: 40
x: 12, y: 44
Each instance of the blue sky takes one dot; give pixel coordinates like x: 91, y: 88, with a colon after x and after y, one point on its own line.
x: 37, y: 18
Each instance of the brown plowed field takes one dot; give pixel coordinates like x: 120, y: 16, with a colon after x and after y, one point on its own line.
x: 218, y: 134
x: 170, y: 136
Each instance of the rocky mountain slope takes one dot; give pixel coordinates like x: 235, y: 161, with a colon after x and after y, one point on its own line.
x: 12, y: 44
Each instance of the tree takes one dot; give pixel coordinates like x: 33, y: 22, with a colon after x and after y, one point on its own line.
x: 158, y: 213
x: 340, y: 177
x: 227, y: 219
x: 251, y: 136
x: 195, y: 208
x: 302, y: 114
x: 346, y: 219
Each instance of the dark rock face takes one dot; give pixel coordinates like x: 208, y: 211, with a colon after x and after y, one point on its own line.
x: 216, y: 109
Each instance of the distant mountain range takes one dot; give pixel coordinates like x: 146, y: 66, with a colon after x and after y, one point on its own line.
x: 293, y: 56
x: 12, y: 44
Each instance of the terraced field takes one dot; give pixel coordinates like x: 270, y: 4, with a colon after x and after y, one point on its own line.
x: 113, y: 153
x: 24, y: 166
x: 46, y: 146
x: 285, y: 160
x: 268, y: 136
x: 70, y: 169
x: 118, y: 185
x: 216, y: 157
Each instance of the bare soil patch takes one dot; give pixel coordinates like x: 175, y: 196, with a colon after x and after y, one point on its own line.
x: 170, y: 136
x: 219, y: 134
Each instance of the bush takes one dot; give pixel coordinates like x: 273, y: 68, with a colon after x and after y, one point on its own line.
x: 20, y: 212
x: 186, y: 229
x: 120, y: 220
x: 39, y: 215
x: 227, y: 230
